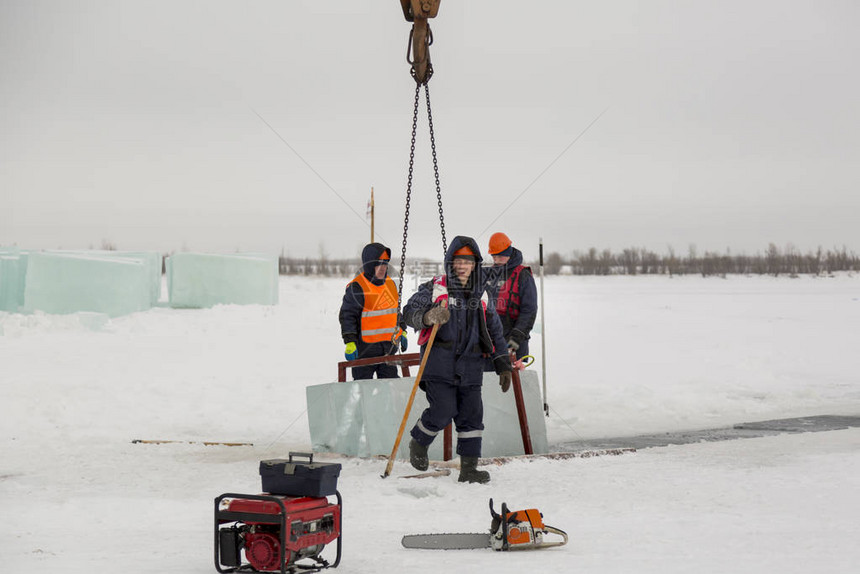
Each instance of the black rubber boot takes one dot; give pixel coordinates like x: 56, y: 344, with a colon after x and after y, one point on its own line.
x: 418, y: 455
x: 469, y: 471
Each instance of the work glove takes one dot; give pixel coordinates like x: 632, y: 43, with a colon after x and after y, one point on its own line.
x: 502, y: 364
x: 516, y: 339
x: 350, y: 351
x: 403, y: 342
x: 437, y: 315
x: 505, y: 379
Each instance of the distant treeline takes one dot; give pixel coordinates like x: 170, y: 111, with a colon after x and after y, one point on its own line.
x: 320, y: 266
x: 774, y: 261
x: 350, y: 267
x: 633, y: 261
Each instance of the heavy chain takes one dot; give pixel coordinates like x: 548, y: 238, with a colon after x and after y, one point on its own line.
x: 436, y: 172
x: 409, y: 185
x: 408, y: 197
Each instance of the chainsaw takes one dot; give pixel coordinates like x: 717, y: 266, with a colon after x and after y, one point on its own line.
x: 518, y: 530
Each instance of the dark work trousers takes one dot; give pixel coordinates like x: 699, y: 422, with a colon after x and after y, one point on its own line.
x: 382, y: 370
x: 448, y: 402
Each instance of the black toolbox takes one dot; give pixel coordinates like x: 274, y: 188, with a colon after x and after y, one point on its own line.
x: 299, y: 478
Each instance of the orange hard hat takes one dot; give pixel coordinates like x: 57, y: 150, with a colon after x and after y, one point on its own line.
x: 499, y: 242
x: 465, y: 250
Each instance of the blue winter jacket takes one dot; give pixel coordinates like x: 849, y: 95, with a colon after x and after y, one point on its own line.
x: 457, y: 353
x: 495, y: 278
x: 353, y: 304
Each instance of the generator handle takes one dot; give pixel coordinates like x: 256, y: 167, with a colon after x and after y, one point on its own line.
x: 308, y: 455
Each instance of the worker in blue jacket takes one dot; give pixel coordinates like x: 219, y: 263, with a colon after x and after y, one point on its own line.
x: 368, y: 315
x: 453, y: 374
x: 512, y: 289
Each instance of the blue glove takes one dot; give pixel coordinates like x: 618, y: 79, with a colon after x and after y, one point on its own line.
x: 403, y: 342
x: 350, y: 352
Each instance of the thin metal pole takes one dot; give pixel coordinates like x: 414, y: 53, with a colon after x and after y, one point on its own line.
x: 543, y: 334
x: 372, y: 206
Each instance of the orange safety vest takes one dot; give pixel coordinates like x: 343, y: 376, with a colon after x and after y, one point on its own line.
x: 379, y: 316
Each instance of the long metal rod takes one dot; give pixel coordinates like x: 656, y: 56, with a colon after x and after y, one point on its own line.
x: 391, y: 458
x: 543, y: 334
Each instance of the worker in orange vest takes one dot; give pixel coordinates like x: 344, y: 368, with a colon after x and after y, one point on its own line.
x: 368, y: 315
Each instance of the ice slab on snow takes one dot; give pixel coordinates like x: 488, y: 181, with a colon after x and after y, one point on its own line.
x: 199, y: 280
x: 150, y: 259
x: 11, y: 295
x: 12, y: 276
x: 361, y: 418
x: 68, y: 282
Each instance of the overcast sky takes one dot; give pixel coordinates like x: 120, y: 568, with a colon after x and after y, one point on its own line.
x: 262, y: 126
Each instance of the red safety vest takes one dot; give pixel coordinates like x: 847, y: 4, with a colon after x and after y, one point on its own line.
x: 379, y: 316
x: 508, y: 302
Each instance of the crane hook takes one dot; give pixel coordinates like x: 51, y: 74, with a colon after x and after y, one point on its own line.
x: 420, y: 37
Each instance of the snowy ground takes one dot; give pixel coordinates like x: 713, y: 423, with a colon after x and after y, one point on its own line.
x: 625, y: 356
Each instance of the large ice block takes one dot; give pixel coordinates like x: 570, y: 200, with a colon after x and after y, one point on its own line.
x: 20, y: 272
x: 150, y: 259
x: 68, y: 282
x: 10, y: 284
x: 199, y: 280
x: 361, y: 418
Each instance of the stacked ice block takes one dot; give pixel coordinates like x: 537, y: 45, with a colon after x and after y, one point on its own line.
x: 200, y: 280
x: 151, y: 260
x: 13, y: 270
x: 117, y: 283
x: 101, y: 282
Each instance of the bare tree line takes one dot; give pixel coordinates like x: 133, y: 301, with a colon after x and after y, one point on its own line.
x: 319, y: 266
x: 788, y: 261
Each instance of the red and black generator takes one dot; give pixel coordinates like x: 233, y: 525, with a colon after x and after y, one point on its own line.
x: 280, y: 531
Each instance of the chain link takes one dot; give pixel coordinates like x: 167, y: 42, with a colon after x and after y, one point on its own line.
x: 436, y: 172
x: 408, y: 197
x: 409, y: 189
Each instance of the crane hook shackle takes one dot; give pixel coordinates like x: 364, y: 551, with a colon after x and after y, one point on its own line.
x: 420, y: 37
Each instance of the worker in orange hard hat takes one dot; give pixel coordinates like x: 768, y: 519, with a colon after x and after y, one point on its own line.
x: 368, y: 315
x: 454, y: 372
x: 512, y: 290
x: 500, y: 245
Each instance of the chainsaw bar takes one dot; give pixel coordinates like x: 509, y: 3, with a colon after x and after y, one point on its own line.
x: 462, y: 541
